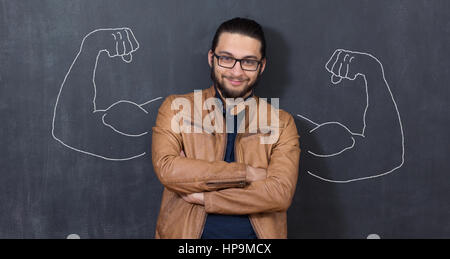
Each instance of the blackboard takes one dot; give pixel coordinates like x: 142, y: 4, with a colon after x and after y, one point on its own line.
x: 374, y: 143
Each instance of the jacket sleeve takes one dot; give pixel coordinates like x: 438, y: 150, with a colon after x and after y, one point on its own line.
x: 273, y: 194
x: 187, y: 175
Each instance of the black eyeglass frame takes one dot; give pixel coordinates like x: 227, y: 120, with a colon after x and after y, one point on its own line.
x: 236, y: 60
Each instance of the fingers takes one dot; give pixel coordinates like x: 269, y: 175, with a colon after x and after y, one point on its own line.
x: 130, y: 35
x: 128, y: 48
x: 127, y: 58
x: 125, y: 44
x: 118, y: 49
x: 344, y: 71
x: 339, y: 65
x: 351, y: 73
x: 332, y: 60
x: 194, y: 198
x: 185, y: 197
x: 335, y: 79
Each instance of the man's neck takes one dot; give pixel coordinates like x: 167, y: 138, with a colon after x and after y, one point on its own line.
x: 236, y: 109
x: 223, y: 98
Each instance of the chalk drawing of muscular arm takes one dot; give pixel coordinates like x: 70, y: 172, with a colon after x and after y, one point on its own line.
x: 377, y: 148
x: 119, y: 132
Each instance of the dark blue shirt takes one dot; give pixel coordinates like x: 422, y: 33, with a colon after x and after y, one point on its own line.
x: 228, y: 226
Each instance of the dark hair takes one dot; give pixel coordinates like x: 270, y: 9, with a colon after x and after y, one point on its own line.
x: 242, y: 26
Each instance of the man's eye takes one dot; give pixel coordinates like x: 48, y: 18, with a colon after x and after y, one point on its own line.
x: 249, y: 62
x: 226, y: 59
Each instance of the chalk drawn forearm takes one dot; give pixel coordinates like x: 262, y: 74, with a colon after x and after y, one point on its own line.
x: 381, y: 124
x: 76, y: 117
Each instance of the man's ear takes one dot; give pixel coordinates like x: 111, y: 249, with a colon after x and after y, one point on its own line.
x: 263, y: 65
x: 210, y: 58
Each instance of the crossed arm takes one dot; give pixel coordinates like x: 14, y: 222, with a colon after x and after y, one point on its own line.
x: 226, y: 188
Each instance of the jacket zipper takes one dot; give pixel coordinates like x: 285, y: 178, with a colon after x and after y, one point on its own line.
x: 224, y: 183
x: 202, y: 226
x: 253, y: 225
x: 237, y: 160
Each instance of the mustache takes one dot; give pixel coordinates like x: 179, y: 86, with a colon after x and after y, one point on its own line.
x: 236, y: 78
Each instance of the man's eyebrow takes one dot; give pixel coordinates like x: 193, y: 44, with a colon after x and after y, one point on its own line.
x: 228, y: 53
x: 251, y: 56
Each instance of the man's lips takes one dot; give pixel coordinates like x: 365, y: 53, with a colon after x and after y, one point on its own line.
x: 235, y: 82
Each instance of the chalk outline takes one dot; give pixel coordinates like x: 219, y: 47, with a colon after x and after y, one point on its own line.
x: 95, y: 90
x: 333, y: 76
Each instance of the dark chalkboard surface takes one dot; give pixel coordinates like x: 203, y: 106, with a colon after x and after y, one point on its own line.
x: 367, y: 82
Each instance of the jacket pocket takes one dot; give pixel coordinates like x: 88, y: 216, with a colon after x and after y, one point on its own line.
x: 200, y: 145
x: 252, y: 151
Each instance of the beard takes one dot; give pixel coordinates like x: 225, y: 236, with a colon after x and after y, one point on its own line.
x: 229, y: 93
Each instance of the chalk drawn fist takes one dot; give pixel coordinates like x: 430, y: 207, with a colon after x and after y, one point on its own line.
x: 345, y: 64
x: 118, y: 42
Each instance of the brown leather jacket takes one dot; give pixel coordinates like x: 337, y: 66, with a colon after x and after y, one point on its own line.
x: 224, y: 184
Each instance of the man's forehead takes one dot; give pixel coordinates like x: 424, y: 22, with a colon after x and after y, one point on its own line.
x: 239, y: 45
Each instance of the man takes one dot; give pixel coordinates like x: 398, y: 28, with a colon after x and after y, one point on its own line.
x: 225, y: 184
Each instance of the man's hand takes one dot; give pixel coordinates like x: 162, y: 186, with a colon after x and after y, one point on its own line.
x: 118, y: 42
x: 350, y: 64
x: 194, y: 198
x: 255, y: 174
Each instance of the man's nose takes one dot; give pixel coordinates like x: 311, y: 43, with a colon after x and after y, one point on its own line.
x: 237, y: 70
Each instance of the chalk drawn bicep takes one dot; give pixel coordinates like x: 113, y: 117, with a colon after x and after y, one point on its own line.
x: 332, y: 138
x: 127, y: 118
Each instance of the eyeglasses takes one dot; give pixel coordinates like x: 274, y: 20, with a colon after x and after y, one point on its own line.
x: 230, y: 62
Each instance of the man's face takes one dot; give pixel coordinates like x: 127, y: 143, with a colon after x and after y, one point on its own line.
x: 235, y: 82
